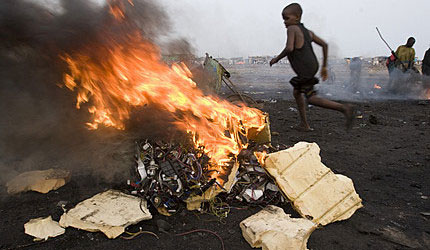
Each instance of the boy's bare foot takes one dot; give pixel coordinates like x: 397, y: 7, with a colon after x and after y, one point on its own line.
x: 302, y: 128
x: 350, y: 116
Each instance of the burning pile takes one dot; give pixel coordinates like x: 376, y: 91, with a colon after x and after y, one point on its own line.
x: 125, y: 71
x: 170, y: 175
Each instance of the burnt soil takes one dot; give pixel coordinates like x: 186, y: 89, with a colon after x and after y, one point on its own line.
x: 387, y: 155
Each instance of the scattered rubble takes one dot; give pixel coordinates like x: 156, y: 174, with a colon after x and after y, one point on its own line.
x: 373, y: 120
x: 293, y: 109
x: 109, y: 212
x: 274, y: 133
x: 43, y: 228
x: 40, y: 181
x: 272, y: 229
x: 396, y: 236
x: 314, y: 190
x: 170, y: 176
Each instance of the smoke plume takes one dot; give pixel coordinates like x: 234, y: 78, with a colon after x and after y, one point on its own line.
x: 40, y: 126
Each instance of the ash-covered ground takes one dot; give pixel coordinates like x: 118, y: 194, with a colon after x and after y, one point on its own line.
x: 386, y: 155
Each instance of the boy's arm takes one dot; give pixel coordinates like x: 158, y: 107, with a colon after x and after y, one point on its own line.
x: 324, y: 46
x: 291, y: 37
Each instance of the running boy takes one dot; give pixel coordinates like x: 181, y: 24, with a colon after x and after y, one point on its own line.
x: 305, y: 64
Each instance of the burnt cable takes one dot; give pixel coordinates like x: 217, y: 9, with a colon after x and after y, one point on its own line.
x: 204, y: 230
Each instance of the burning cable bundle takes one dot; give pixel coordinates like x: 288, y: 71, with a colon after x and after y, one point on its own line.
x: 168, y: 175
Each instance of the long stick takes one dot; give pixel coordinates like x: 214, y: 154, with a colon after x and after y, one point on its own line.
x: 392, y: 51
x: 233, y: 88
x: 380, y: 35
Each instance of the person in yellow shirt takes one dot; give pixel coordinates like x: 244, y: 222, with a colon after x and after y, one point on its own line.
x: 406, y: 55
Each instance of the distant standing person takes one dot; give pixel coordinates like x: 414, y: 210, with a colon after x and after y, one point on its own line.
x: 305, y: 64
x: 355, y: 68
x: 426, y: 63
x: 406, y: 55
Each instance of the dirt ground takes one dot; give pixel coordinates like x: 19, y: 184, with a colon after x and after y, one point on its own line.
x: 386, y: 155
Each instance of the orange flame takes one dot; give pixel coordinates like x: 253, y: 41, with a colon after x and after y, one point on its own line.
x: 116, y: 8
x: 376, y: 86
x: 117, y: 75
x: 261, y: 157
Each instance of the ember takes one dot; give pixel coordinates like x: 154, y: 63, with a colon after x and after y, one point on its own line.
x: 376, y: 86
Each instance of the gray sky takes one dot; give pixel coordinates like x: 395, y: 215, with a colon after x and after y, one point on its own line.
x: 231, y: 28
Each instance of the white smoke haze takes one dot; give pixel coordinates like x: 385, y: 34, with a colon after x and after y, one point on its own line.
x: 373, y: 84
x: 228, y: 28
x: 251, y: 27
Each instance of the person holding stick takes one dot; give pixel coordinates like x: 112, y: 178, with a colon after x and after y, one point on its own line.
x: 406, y: 55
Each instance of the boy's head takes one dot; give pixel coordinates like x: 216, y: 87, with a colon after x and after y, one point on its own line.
x: 410, y: 42
x: 292, y: 14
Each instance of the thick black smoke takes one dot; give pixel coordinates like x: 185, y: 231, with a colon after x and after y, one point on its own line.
x: 40, y: 127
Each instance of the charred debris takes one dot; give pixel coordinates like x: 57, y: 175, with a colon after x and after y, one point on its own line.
x: 168, y: 175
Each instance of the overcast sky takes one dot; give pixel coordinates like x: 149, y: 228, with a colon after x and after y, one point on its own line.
x: 231, y: 28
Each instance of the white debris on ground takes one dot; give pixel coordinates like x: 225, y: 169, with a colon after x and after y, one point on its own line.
x: 314, y: 190
x: 272, y: 229
x: 41, y: 181
x: 109, y: 212
x: 43, y: 228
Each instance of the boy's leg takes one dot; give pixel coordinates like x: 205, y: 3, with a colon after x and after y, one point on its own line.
x: 321, y: 102
x: 346, y: 109
x: 301, y: 104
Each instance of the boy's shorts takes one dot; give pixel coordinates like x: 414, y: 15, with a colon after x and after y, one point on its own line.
x: 305, y: 85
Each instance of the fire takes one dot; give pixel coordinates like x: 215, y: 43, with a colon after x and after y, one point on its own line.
x: 376, y: 86
x: 261, y: 157
x: 126, y: 71
x: 116, y: 8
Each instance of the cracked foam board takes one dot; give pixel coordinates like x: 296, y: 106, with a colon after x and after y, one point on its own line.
x: 109, y: 212
x: 272, y: 229
x: 314, y: 190
x: 43, y: 228
x: 41, y: 181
